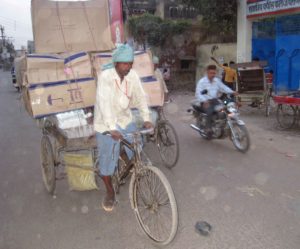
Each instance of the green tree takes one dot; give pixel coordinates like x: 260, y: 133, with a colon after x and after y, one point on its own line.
x: 10, y: 47
x: 152, y: 30
x: 219, y: 16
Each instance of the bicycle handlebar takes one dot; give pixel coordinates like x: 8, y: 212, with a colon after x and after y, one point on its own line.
x: 146, y: 131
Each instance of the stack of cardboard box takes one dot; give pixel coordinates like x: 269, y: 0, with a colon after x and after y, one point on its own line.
x: 58, y: 83
x: 60, y: 76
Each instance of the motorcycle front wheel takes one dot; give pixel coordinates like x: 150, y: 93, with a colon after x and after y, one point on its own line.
x: 240, y: 137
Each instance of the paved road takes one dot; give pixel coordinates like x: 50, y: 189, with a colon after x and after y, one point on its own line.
x: 252, y: 201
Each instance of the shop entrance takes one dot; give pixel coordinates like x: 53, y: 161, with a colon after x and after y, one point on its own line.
x: 277, y: 40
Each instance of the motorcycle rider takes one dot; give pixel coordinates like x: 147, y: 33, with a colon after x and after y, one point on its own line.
x: 207, y: 94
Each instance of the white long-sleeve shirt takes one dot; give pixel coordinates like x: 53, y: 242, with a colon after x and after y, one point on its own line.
x: 213, y: 89
x: 114, y: 100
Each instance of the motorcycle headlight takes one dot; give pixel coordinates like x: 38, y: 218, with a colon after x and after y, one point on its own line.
x: 232, y: 108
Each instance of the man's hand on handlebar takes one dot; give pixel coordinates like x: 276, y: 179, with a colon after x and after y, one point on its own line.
x: 116, y: 135
x: 235, y: 93
x: 148, y: 125
x: 206, y: 104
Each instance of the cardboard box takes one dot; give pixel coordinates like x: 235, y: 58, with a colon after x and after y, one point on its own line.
x: 43, y: 68
x: 56, y: 97
x: 100, y: 59
x: 142, y: 64
x: 60, y: 26
x: 20, y: 69
x: 154, y: 92
x: 77, y: 65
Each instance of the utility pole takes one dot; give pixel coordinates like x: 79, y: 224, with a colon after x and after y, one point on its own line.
x: 2, y: 35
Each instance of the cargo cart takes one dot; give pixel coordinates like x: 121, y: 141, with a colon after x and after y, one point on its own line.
x: 252, y: 85
x: 151, y: 195
x: 288, y: 110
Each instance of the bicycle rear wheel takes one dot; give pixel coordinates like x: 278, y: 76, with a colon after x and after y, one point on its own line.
x: 154, y: 203
x: 168, y: 144
x: 286, y: 116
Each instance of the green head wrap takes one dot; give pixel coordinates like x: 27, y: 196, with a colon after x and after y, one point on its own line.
x: 123, y: 53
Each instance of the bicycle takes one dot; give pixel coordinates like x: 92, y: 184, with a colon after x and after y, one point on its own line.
x: 164, y: 137
x: 150, y: 193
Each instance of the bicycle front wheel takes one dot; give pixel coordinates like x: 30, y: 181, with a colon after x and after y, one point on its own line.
x: 154, y: 203
x: 168, y: 144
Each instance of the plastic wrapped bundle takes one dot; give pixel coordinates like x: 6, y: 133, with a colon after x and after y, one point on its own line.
x: 74, y: 124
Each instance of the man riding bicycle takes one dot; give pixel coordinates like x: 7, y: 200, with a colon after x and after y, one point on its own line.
x: 119, y: 89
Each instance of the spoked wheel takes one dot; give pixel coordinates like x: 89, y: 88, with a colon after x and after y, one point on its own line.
x: 154, y: 203
x: 48, y: 165
x: 168, y: 144
x: 240, y: 137
x: 286, y: 116
x: 122, y: 171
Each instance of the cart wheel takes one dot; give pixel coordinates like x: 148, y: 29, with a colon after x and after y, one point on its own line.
x: 168, y: 144
x: 154, y: 203
x: 48, y: 165
x: 286, y: 116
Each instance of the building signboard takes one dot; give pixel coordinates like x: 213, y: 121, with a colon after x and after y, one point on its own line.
x: 262, y: 8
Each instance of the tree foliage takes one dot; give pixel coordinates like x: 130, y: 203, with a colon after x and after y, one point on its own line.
x: 153, y: 30
x: 219, y: 16
x: 10, y: 47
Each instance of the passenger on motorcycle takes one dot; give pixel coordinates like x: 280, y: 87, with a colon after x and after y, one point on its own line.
x: 207, y: 93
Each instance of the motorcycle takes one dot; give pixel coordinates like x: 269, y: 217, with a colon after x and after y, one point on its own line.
x: 225, y: 123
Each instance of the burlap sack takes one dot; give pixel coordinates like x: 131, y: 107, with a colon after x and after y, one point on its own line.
x: 80, y: 171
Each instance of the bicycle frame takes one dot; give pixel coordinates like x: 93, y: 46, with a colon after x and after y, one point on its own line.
x: 134, y: 147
